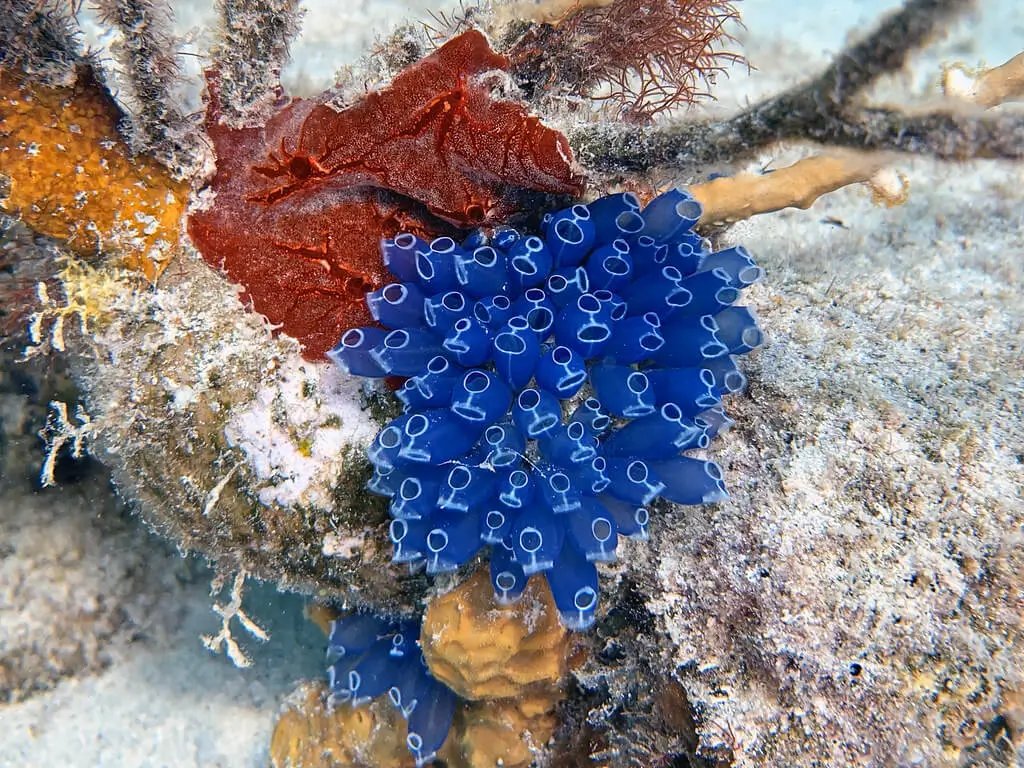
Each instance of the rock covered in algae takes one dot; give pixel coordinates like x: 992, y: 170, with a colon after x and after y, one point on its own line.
x: 482, y: 650
x: 858, y: 599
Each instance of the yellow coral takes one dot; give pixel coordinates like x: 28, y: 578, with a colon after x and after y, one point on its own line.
x: 485, y: 651
x: 506, y: 733
x: 72, y: 177
x: 309, y: 734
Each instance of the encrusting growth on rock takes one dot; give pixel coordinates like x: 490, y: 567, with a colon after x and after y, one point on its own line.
x: 73, y: 177
x: 482, y: 650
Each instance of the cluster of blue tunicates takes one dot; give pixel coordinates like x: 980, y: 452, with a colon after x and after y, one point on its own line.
x: 369, y: 657
x: 553, y: 384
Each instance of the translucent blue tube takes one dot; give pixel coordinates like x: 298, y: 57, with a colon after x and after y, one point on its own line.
x: 416, y: 496
x: 633, y: 481
x: 481, y: 272
x: 614, y: 304
x: 670, y: 213
x: 624, y: 392
x: 557, y: 489
x: 352, y: 354
x: 729, y: 379
x: 635, y: 339
x: 507, y: 576
x: 684, y: 257
x: 738, y: 330
x: 443, y: 310
x: 537, y: 309
x: 536, y: 412
x: 409, y: 538
x: 565, y: 286
x: 592, y: 531
x: 561, y: 372
x: 397, y: 305
x: 592, y: 415
x: 452, y: 541
x: 690, y: 342
x: 712, y: 292
x: 648, y: 254
x: 405, y: 352
x: 384, y: 451
x: 610, y: 266
x: 529, y: 264
x: 516, y: 353
x: 591, y: 477
x: 496, y: 524
x: 435, y: 267
x: 631, y: 519
x: 353, y: 634
x: 607, y: 212
x: 475, y: 239
x: 372, y: 674
x: 399, y: 255
x: 737, y: 262
x: 468, y: 342
x: 429, y: 724
x: 567, y: 445
x: 504, y: 445
x: 503, y: 239
x: 661, y: 435
x: 691, y: 481
x: 714, y: 421
x: 584, y: 326
x: 436, y: 436
x: 660, y: 291
x: 570, y: 235
x: 480, y: 399
x: 692, y: 389
x: 536, y: 539
x: 574, y: 586
x: 464, y: 488
x: 412, y: 683
x: 385, y: 481
x: 515, y: 488
x: 493, y: 312
x: 432, y: 389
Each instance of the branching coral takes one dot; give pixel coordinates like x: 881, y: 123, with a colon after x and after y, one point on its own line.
x: 641, y: 56
x: 544, y: 421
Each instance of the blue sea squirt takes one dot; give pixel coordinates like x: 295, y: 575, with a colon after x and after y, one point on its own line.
x: 554, y: 383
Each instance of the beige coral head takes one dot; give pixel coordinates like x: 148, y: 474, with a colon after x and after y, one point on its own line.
x: 483, y: 650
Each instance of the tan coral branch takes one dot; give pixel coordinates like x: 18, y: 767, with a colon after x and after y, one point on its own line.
x: 734, y: 198
x: 988, y: 88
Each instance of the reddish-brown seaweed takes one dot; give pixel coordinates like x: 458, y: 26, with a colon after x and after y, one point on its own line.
x: 302, y: 203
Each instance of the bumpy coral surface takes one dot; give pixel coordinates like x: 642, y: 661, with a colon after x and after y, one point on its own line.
x: 312, y: 734
x: 485, y: 651
x: 302, y: 203
x: 72, y: 175
x: 544, y: 421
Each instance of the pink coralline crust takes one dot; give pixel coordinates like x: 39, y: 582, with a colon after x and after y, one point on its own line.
x: 302, y: 203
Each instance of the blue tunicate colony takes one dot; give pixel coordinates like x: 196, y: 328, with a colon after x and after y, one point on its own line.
x: 553, y: 384
x: 370, y: 656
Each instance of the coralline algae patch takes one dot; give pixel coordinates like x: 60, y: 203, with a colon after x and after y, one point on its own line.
x: 545, y: 421
x: 297, y: 432
x: 72, y: 176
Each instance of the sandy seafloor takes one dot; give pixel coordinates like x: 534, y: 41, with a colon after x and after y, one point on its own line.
x: 164, y: 700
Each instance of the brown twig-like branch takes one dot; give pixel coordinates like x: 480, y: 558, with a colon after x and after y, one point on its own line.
x: 826, y: 111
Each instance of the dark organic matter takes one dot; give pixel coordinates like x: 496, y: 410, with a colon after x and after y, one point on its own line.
x: 303, y: 202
